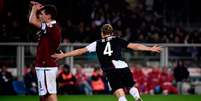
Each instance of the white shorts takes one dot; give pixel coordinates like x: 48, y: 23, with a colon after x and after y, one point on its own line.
x: 46, y: 80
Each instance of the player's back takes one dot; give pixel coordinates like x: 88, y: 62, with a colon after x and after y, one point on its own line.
x: 109, y: 51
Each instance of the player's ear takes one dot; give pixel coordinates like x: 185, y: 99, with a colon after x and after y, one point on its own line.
x: 49, y: 16
x: 102, y: 35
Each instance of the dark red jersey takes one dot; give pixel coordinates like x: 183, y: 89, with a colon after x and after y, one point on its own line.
x: 48, y: 43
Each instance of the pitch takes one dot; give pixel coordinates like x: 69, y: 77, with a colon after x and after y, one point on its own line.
x: 106, y: 98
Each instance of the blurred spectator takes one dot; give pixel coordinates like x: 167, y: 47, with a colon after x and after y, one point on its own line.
x: 27, y: 68
x: 82, y: 81
x: 6, y: 80
x: 98, y: 82
x: 66, y: 81
x: 140, y: 79
x: 181, y: 74
x: 30, y: 80
x: 166, y: 82
x: 153, y: 81
x: 19, y: 87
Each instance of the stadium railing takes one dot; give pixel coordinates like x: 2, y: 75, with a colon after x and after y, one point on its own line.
x: 20, y: 54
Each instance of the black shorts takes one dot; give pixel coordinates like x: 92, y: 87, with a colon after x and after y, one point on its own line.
x: 119, y: 78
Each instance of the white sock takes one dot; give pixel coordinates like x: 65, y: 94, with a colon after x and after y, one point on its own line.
x: 122, y: 98
x: 134, y: 92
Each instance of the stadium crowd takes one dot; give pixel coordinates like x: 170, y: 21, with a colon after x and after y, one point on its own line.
x: 134, y: 20
x: 140, y: 21
x: 153, y: 80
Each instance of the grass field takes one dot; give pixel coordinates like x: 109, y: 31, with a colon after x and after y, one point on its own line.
x: 106, y: 98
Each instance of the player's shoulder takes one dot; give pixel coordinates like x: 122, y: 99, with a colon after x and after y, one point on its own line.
x: 53, y: 25
x: 57, y: 26
x: 55, y: 29
x: 110, y: 38
x: 116, y: 38
x: 98, y: 41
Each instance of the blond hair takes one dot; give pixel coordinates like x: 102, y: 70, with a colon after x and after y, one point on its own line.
x: 107, y: 29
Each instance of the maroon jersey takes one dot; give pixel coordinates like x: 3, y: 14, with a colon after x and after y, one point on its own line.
x: 48, y: 43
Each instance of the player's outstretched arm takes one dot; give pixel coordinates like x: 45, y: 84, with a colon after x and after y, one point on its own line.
x: 142, y: 47
x: 76, y: 52
x: 33, y: 19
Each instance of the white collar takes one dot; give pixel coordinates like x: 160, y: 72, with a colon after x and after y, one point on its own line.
x: 51, y: 23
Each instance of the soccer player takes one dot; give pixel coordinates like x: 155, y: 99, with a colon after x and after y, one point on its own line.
x: 116, y: 70
x: 43, y: 17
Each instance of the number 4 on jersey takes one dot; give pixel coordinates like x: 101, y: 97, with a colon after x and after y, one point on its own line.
x: 107, y: 50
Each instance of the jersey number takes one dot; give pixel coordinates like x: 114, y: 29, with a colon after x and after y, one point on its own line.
x: 107, y: 50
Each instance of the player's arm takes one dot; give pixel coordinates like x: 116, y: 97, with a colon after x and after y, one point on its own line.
x: 33, y: 19
x: 90, y: 48
x: 141, y: 47
x: 76, y: 52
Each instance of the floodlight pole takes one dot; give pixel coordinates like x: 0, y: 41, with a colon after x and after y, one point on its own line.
x: 69, y: 60
x: 164, y: 57
x: 20, y: 61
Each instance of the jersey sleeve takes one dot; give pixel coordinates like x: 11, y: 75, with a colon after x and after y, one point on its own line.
x: 122, y: 43
x: 92, y: 47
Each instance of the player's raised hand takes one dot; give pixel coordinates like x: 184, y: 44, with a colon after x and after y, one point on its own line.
x: 34, y: 2
x: 58, y: 56
x: 156, y: 48
x: 36, y: 5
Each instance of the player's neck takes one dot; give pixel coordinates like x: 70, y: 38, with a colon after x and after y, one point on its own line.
x: 105, y: 36
x: 48, y: 21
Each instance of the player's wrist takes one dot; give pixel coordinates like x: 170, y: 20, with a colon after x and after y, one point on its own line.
x: 151, y: 49
x: 64, y: 55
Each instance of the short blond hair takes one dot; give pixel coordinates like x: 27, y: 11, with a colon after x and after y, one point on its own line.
x: 107, y: 29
